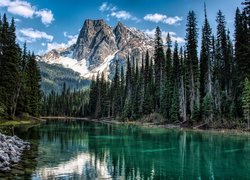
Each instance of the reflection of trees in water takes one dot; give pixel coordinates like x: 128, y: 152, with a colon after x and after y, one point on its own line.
x: 137, y: 153
x: 170, y: 154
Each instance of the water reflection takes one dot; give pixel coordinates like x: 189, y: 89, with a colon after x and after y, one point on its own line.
x: 87, y: 150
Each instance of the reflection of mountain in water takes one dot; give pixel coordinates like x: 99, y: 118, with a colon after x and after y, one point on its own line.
x: 87, y: 150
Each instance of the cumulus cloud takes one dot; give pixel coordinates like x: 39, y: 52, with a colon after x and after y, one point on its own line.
x: 46, y: 16
x: 164, y: 34
x: 107, y: 7
x: 118, y: 14
x: 121, y: 15
x: 163, y: 18
x: 26, y: 10
x: 155, y: 17
x: 71, y: 39
x: 21, y: 8
x: 31, y: 35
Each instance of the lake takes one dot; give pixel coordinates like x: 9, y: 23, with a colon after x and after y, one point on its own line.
x: 75, y: 149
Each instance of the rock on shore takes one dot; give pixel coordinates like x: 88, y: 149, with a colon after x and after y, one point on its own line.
x: 11, y: 148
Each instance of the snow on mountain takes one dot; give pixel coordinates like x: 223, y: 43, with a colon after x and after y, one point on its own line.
x: 98, y: 46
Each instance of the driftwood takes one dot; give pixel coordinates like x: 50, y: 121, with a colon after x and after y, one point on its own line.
x: 201, y: 126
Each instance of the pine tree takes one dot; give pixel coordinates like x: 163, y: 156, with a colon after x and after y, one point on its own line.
x: 183, y: 101
x: 206, y: 67
x: 10, y: 61
x: 167, y: 82
x: 34, y: 79
x: 175, y: 102
x: 246, y: 101
x: 147, y: 106
x: 158, y: 63
x: 192, y: 60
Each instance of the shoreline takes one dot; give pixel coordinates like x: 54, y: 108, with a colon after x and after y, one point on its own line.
x: 237, y: 131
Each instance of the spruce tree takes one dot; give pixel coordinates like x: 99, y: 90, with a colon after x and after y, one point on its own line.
x: 158, y: 66
x: 206, y: 67
x: 192, y: 61
x: 246, y: 101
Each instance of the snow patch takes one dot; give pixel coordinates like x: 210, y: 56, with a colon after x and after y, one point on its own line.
x: 82, y: 65
x: 77, y: 66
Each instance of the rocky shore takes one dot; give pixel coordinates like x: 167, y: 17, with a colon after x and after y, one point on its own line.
x: 11, y: 149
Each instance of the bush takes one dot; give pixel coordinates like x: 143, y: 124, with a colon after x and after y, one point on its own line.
x: 2, y: 110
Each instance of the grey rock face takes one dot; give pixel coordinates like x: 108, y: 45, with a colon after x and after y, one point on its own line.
x: 97, y: 41
x: 11, y: 149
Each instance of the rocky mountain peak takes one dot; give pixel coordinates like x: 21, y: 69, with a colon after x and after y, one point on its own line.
x: 99, y: 45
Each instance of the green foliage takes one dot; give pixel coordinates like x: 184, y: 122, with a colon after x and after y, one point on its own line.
x: 20, y: 76
x: 246, y: 101
x: 54, y: 76
x: 174, y: 83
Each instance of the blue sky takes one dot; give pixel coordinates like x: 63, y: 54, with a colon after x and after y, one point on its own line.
x: 48, y: 24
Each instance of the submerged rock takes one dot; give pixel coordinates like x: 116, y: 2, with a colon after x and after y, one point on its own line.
x: 11, y: 148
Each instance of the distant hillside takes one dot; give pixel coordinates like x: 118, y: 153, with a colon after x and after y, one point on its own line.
x: 54, y: 75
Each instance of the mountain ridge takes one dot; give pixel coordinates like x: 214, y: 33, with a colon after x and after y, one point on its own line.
x: 98, y: 46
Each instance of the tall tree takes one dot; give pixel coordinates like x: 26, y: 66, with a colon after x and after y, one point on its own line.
x: 192, y: 60
x: 206, y: 65
x: 246, y: 101
x: 158, y: 63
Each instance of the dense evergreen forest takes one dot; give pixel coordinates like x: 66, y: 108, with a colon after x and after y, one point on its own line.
x: 175, y: 82
x: 19, y: 76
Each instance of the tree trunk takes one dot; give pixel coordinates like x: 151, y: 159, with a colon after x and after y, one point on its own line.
x: 14, y: 101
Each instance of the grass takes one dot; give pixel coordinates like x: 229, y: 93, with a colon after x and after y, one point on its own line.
x: 18, y: 121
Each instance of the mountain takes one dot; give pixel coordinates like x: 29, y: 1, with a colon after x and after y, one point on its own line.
x: 55, y: 75
x: 98, y: 46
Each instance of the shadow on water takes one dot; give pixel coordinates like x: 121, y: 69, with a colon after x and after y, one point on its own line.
x: 87, y: 150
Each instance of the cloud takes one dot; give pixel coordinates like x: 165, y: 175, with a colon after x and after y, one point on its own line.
x: 155, y: 17
x: 118, y: 14
x: 46, y: 16
x: 31, y: 35
x: 71, y: 39
x: 21, y: 8
x: 121, y: 15
x: 162, y: 18
x: 26, y: 10
x: 107, y: 7
x: 164, y: 34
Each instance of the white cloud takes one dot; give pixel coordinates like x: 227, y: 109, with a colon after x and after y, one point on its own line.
x: 21, y: 8
x: 164, y: 34
x: 107, y: 7
x: 26, y: 10
x: 46, y: 16
x: 155, y: 17
x: 55, y: 45
x: 119, y: 14
x: 163, y: 18
x: 173, y: 20
x: 31, y: 35
x: 71, y: 39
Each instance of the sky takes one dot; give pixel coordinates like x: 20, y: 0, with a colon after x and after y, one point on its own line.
x: 49, y: 24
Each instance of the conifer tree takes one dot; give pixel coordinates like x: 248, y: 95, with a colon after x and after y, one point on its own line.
x: 206, y: 66
x: 246, y: 101
x: 192, y: 61
x: 158, y: 65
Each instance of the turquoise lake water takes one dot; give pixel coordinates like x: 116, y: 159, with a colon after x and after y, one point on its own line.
x: 87, y: 150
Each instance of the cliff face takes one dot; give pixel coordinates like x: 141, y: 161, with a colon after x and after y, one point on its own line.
x: 98, y: 45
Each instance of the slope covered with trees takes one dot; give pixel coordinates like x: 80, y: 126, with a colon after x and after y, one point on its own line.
x: 54, y: 76
x: 178, y: 84
x: 19, y: 75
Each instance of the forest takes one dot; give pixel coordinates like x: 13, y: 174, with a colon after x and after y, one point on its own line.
x: 179, y: 83
x: 20, y: 92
